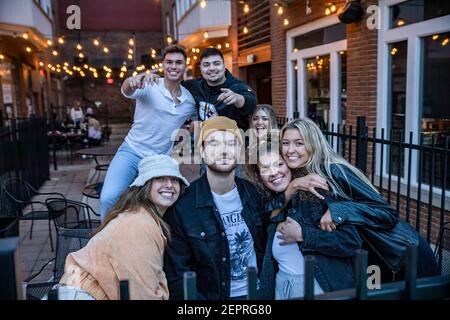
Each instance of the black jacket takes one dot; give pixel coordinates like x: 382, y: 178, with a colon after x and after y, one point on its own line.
x: 199, y: 242
x: 334, y: 251
x: 378, y: 222
x: 206, y: 96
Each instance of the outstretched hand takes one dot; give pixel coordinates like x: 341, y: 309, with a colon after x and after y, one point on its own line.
x: 139, y: 81
x: 230, y: 97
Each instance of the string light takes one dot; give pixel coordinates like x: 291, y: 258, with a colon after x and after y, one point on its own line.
x: 40, y: 63
x: 245, y: 30
x: 25, y: 35
x: 130, y: 51
x: 203, y: 4
x: 327, y: 11
x: 280, y: 10
x: 219, y: 46
x: 169, y: 40
x: 79, y: 47
x: 246, y: 8
x: 445, y: 42
x: 105, y: 49
x: 61, y: 40
x: 227, y: 45
x: 55, y: 53
x: 96, y: 42
x: 81, y: 55
x: 2, y: 57
x: 286, y: 22
x: 394, y: 51
x: 400, y: 22
x: 131, y: 42
x: 205, y: 35
x: 28, y: 49
x: 435, y: 37
x: 333, y: 8
x: 49, y: 42
x: 130, y: 57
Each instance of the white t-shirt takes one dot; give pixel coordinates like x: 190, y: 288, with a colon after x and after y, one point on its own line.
x: 156, y: 118
x: 240, y: 241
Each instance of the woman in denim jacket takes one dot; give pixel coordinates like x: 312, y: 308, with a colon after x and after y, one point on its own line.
x: 354, y: 201
x: 282, y: 274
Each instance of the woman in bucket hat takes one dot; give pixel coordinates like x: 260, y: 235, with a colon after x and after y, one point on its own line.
x: 130, y: 243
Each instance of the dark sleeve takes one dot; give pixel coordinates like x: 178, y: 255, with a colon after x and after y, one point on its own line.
x: 366, y: 206
x: 249, y: 96
x: 177, y: 258
x: 341, y: 242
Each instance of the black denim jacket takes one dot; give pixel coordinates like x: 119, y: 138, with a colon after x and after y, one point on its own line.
x: 199, y: 242
x: 334, y: 251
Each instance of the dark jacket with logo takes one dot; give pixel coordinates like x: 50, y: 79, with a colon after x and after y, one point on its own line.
x: 334, y: 251
x: 206, y: 95
x: 199, y: 242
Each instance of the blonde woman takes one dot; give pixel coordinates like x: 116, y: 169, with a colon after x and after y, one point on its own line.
x: 354, y: 201
x: 130, y: 243
x: 263, y: 121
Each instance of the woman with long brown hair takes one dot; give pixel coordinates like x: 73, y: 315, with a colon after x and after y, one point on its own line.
x: 130, y: 243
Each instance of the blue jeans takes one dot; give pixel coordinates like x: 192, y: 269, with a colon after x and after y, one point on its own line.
x: 121, y: 173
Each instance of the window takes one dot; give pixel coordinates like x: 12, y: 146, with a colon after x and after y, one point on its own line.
x: 318, y: 89
x: 321, y: 36
x: 413, y: 82
x: 414, y: 11
x: 318, y: 61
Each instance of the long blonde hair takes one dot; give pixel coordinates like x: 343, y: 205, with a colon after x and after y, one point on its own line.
x: 322, y: 156
x: 133, y: 199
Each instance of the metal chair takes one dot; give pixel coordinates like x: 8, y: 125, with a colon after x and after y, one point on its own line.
x: 74, y: 225
x: 20, y: 193
x: 74, y: 222
x: 442, y: 250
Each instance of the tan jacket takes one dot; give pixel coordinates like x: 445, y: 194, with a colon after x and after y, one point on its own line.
x: 130, y: 247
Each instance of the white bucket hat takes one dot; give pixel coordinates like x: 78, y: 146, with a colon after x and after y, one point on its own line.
x: 157, y: 166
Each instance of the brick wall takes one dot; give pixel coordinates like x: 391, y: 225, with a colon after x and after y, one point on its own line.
x: 90, y: 89
x: 361, y: 59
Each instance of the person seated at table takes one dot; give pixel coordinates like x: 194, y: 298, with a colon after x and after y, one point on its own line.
x: 94, y: 130
x: 130, y: 243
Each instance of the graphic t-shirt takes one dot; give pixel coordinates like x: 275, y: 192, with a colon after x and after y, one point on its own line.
x: 240, y: 241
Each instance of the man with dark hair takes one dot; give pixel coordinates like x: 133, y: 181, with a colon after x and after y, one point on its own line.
x: 219, y: 93
x: 162, y: 107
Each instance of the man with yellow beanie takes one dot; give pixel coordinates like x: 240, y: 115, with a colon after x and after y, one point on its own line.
x: 217, y: 225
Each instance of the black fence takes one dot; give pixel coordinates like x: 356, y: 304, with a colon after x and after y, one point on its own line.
x: 411, y: 288
x: 420, y: 195
x: 24, y: 154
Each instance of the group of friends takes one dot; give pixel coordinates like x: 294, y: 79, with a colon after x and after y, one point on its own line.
x: 298, y: 197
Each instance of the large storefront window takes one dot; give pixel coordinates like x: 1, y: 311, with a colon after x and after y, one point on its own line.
x: 413, y: 94
x: 318, y: 89
x: 318, y: 61
x: 435, y: 99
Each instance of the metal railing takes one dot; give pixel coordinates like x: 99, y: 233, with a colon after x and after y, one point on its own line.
x: 24, y: 154
x: 411, y: 288
x: 421, y: 194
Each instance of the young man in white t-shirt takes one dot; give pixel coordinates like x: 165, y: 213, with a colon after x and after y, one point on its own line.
x: 162, y: 106
x: 218, y: 225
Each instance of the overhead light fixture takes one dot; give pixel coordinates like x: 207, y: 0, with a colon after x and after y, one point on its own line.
x: 203, y: 4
